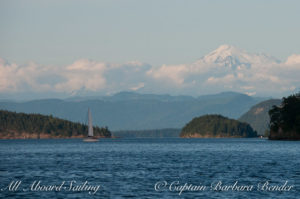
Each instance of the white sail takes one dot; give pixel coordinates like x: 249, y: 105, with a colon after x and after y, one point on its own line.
x: 90, y: 133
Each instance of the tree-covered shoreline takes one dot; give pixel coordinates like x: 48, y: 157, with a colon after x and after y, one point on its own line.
x: 20, y: 125
x: 285, y: 119
x: 216, y: 126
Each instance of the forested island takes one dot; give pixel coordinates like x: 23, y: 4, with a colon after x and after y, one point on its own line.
x: 285, y: 119
x: 22, y: 126
x: 212, y: 126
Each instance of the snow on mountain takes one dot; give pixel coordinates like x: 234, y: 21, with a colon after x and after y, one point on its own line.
x: 233, y: 57
x: 226, y: 68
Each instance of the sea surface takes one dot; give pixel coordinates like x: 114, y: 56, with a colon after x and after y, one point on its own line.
x: 150, y: 168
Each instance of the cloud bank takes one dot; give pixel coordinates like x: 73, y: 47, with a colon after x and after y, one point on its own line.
x: 226, y: 68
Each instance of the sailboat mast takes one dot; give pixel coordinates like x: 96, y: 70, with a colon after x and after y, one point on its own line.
x: 90, y: 133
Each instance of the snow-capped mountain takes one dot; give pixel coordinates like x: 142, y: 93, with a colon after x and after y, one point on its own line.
x: 233, y: 57
x: 226, y: 68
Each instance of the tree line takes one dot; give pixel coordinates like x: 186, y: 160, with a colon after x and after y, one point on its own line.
x: 285, y: 119
x: 17, y: 123
x: 217, y: 126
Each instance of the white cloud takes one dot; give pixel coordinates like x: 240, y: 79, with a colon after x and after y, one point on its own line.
x: 173, y: 74
x: 137, y: 87
x: 247, y: 87
x: 14, y: 78
x: 234, y: 70
x: 83, y: 74
x: 227, y: 79
x: 293, y: 59
x: 231, y: 70
x: 250, y: 93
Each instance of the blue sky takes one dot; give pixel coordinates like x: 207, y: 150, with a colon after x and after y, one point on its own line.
x: 156, y: 32
x: 58, y: 33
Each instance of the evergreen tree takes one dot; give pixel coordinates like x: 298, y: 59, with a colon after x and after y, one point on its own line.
x: 285, y: 119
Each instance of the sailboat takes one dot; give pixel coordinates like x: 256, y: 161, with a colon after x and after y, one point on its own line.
x: 90, y: 137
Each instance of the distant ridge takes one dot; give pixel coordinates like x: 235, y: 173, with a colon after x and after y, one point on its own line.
x: 258, y: 116
x: 134, y: 111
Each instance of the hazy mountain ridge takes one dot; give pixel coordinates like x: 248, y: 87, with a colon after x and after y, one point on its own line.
x: 140, y: 112
x: 127, y: 95
x: 258, y: 116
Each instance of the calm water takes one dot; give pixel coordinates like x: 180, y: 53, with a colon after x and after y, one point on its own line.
x: 130, y: 168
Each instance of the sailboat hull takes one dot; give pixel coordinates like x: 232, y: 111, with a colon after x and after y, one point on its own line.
x: 90, y: 140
